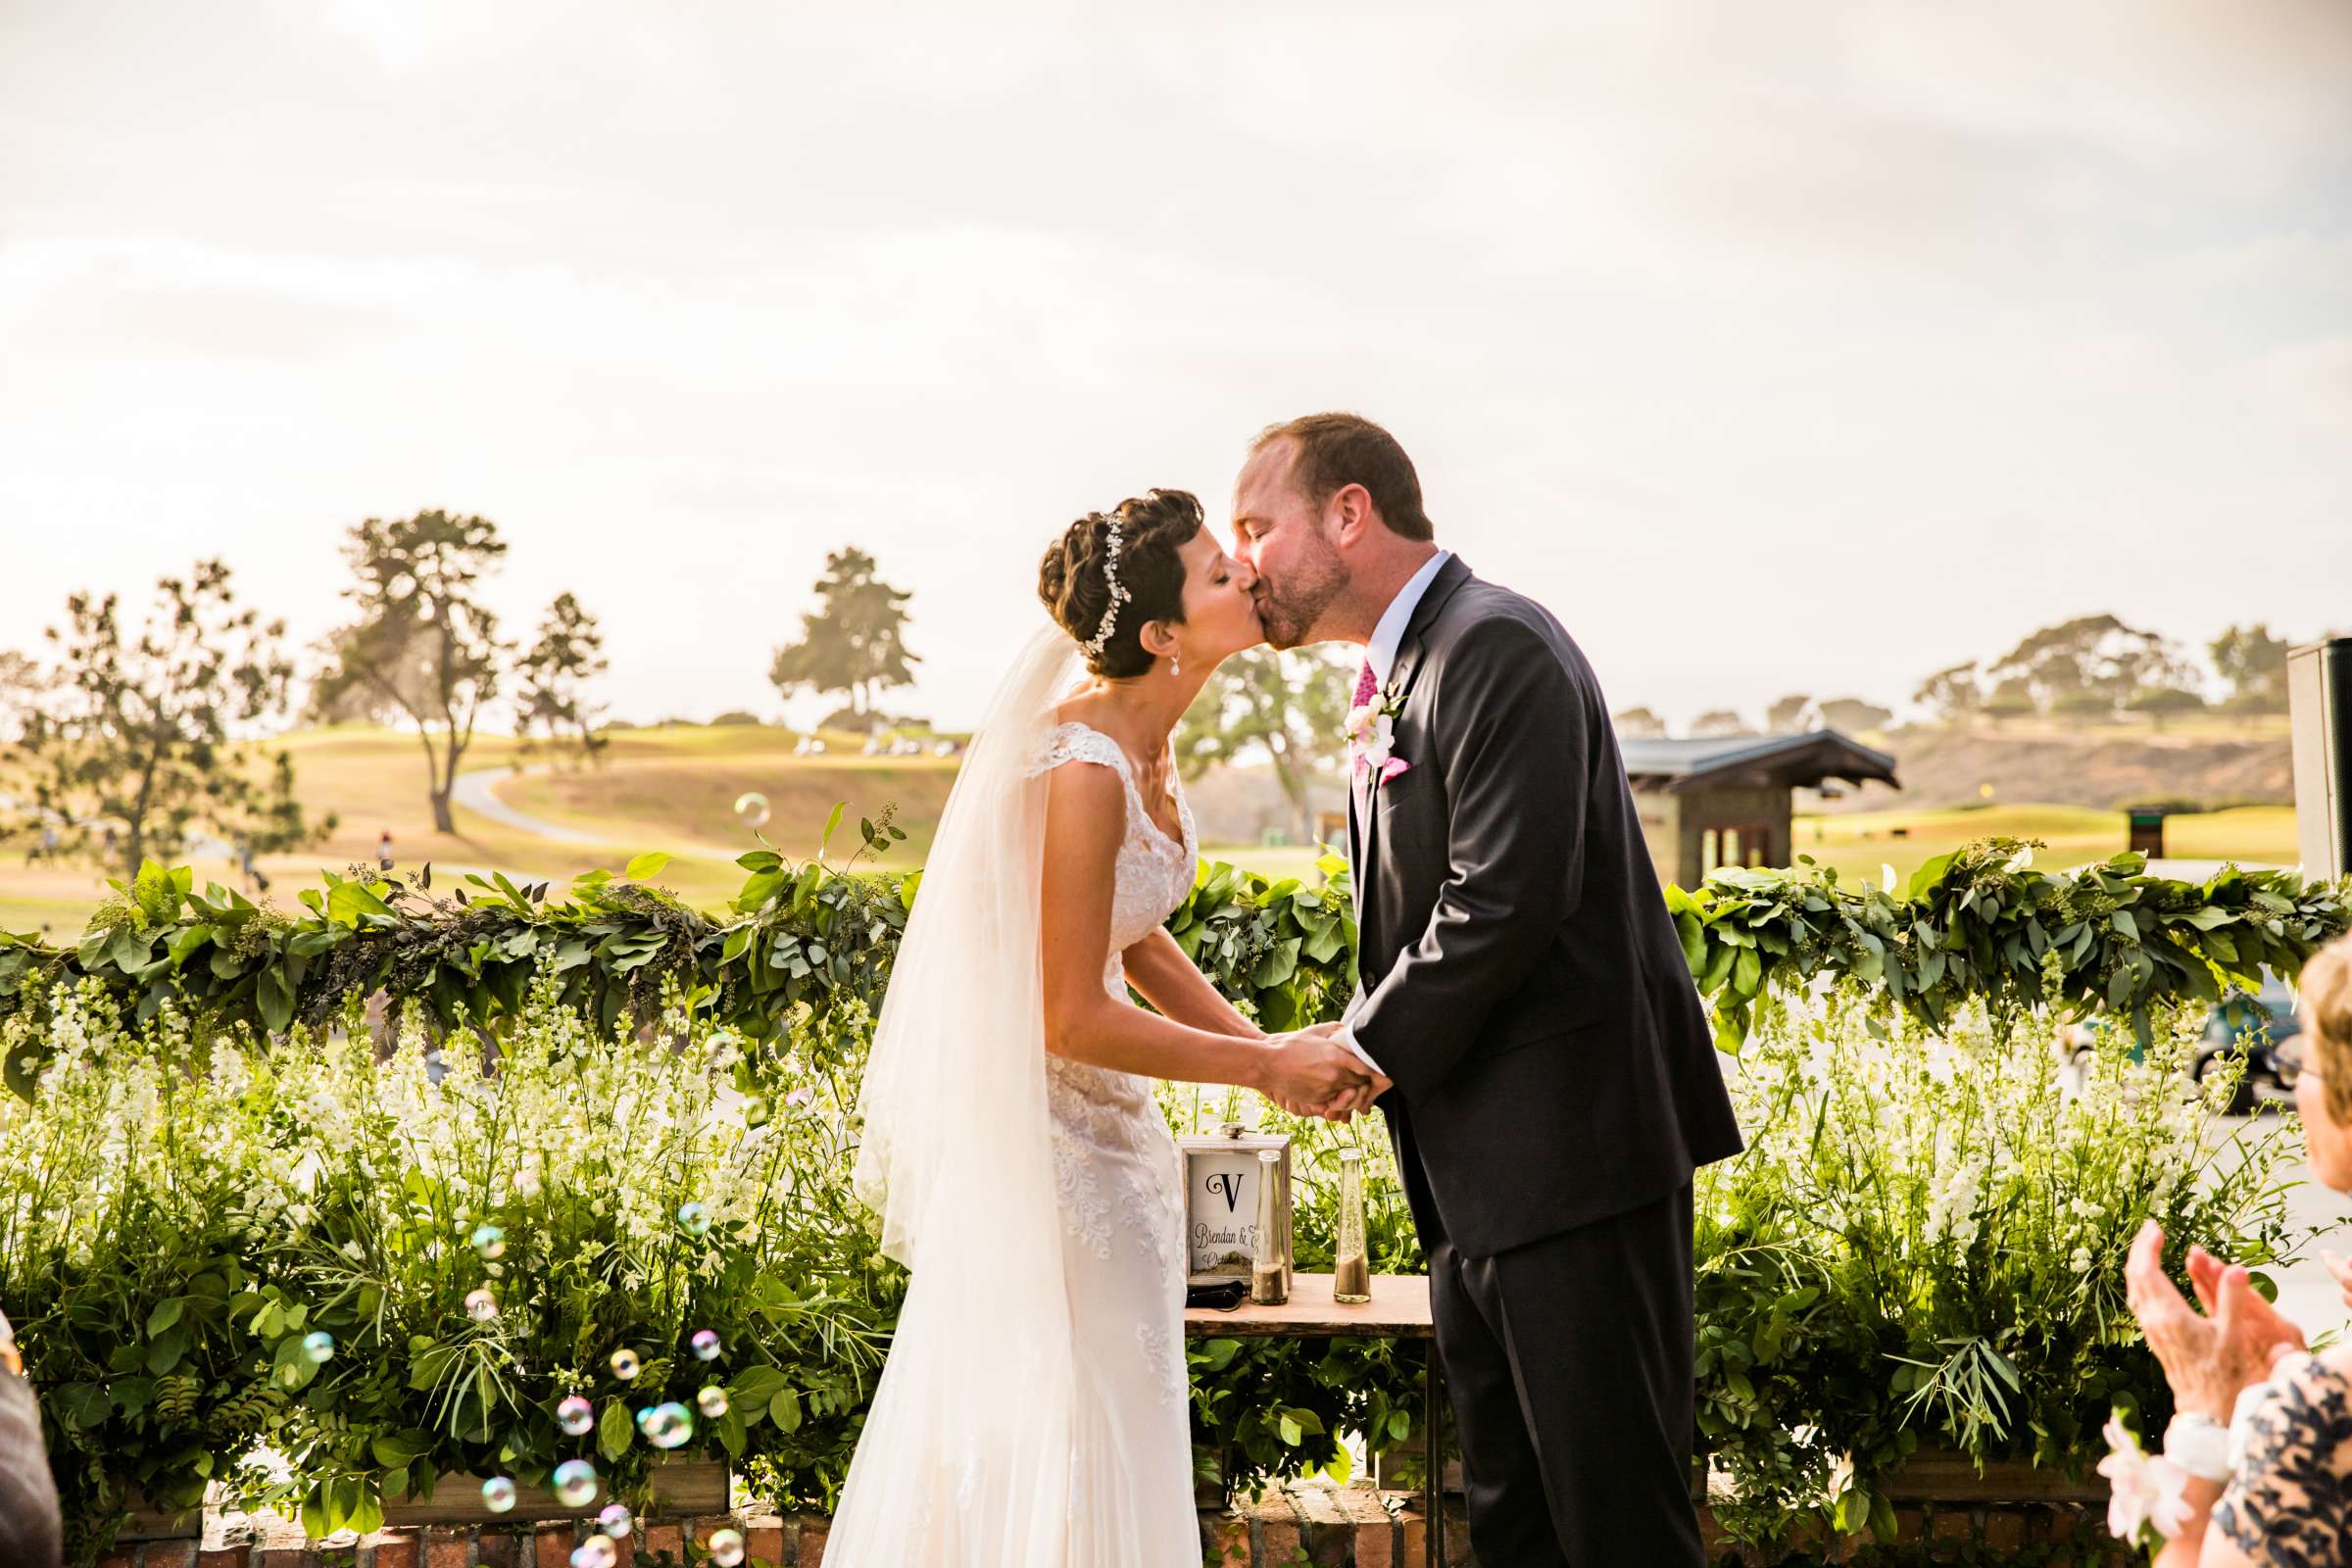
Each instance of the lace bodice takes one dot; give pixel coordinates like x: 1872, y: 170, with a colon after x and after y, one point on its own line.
x: 1155, y: 872
x: 1114, y: 1165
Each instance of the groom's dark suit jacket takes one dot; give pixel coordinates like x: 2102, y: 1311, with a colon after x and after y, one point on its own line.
x: 1522, y: 982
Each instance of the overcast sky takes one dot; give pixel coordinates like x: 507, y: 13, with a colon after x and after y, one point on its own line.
x: 1789, y: 347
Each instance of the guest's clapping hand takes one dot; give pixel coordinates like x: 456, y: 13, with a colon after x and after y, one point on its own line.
x: 2208, y: 1356
x: 2342, y: 1270
x: 1310, y: 1069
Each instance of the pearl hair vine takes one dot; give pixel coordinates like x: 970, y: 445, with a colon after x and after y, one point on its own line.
x: 1118, y: 594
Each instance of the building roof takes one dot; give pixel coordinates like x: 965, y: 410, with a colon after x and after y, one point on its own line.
x: 1788, y: 760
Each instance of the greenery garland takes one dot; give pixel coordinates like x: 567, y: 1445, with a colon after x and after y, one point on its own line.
x: 1982, y: 923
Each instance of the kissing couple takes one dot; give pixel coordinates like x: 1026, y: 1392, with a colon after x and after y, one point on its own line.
x: 1523, y: 1018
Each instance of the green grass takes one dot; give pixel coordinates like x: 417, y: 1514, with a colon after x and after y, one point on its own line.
x: 673, y: 789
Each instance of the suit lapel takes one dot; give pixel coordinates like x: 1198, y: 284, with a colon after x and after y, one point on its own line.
x: 1410, y: 651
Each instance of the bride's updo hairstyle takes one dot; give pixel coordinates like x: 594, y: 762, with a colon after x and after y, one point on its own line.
x: 1075, y: 585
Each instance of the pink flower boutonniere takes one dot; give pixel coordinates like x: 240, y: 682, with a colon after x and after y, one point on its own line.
x: 1372, y: 736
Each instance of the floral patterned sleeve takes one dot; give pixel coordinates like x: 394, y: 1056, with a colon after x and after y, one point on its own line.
x: 2291, y: 1503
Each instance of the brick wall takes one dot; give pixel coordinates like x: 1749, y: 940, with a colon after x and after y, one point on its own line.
x: 1326, y: 1527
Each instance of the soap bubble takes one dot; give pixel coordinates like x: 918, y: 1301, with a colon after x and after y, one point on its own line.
x: 668, y: 1425
x: 480, y: 1304
x: 319, y: 1348
x: 498, y: 1493
x: 694, y: 1219
x: 490, y: 1241
x: 596, y: 1551
x: 752, y: 806
x: 711, y: 1401
x: 726, y: 1547
x: 575, y: 1415
x: 625, y: 1364
x: 705, y: 1344
x: 575, y: 1482
x: 614, y: 1520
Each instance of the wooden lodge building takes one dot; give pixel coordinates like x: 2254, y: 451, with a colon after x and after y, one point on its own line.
x: 1725, y: 802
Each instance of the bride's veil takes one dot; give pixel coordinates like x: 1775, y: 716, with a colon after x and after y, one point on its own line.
x: 964, y: 1459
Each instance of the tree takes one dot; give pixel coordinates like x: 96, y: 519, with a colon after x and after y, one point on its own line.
x: 554, y: 677
x: 2165, y: 702
x: 1952, y: 694
x: 854, y: 641
x: 1638, y: 724
x: 1853, y: 716
x: 422, y: 645
x: 134, y: 752
x: 2011, y: 699
x: 1290, y: 703
x: 1787, y: 714
x: 2254, y: 664
x: 2094, y: 655
x: 20, y: 684
x: 1720, y: 722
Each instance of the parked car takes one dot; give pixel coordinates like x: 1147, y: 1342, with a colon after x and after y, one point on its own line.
x: 2263, y: 1022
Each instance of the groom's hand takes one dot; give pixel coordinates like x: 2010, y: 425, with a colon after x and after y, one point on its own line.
x: 1309, y: 1070
x: 1355, y: 1102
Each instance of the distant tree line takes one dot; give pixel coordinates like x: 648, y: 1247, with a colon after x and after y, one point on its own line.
x: 2092, y: 668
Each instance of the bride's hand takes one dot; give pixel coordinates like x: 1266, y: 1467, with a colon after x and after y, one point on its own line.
x: 1308, y: 1069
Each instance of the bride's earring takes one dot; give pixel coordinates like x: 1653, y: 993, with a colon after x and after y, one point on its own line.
x: 1176, y: 662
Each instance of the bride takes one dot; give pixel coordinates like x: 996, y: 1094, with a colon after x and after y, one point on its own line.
x: 1033, y: 1412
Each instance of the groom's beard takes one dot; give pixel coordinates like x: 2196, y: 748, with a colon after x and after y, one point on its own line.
x: 1286, y: 610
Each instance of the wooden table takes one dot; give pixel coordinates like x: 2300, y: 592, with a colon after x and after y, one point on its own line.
x: 1399, y: 1310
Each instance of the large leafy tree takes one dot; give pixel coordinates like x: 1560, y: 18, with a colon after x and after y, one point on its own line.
x: 2091, y: 662
x: 552, y: 677
x: 1719, y: 723
x: 2254, y: 664
x: 1291, y: 705
x: 139, y: 743
x: 422, y: 645
x: 854, y: 641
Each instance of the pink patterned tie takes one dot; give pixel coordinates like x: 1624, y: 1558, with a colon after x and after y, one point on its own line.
x: 1366, y: 688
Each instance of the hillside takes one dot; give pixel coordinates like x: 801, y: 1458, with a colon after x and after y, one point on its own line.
x: 2104, y: 768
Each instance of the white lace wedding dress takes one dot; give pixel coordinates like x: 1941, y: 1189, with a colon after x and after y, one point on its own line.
x: 1033, y: 1412
x: 1120, y: 1183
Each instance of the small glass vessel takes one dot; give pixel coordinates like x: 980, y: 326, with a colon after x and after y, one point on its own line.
x: 1352, y: 1266
x: 1269, y: 1270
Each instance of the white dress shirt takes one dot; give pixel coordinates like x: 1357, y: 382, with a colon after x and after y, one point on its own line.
x: 1380, y: 653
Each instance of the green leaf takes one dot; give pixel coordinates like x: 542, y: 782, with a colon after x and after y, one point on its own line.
x: 785, y: 1410
x: 166, y: 1314
x: 644, y: 868
x: 275, y: 1002
x: 615, y: 1430
x: 831, y: 824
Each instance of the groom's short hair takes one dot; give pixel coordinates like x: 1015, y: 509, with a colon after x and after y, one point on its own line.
x: 1344, y: 449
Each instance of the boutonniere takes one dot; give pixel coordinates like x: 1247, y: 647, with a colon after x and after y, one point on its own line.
x: 1372, y: 735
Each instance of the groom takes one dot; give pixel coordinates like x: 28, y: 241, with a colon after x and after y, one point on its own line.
x: 1547, y: 1075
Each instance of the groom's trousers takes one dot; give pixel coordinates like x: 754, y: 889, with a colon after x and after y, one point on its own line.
x: 1569, y: 1364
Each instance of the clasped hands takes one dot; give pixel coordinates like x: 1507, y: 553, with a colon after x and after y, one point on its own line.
x: 1311, y: 1072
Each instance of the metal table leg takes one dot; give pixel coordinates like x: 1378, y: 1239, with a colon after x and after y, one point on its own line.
x: 1433, y: 1490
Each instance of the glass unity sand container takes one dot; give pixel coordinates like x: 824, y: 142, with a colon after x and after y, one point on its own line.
x: 1269, y: 1271
x: 1351, y: 1268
